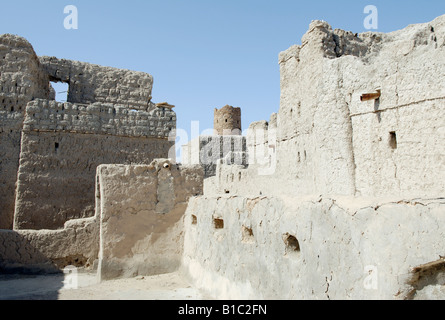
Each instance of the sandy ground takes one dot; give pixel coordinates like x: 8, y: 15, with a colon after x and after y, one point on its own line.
x: 86, y: 287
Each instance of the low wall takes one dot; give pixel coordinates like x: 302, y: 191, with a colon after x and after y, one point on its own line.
x: 313, y: 248
x: 137, y: 229
x: 141, y: 214
x: 46, y: 251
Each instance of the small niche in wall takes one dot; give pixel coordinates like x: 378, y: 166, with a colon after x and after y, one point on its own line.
x: 194, y: 220
x: 291, y: 243
x: 247, y: 235
x: 218, y: 223
x: 393, y: 140
x: 56, y: 147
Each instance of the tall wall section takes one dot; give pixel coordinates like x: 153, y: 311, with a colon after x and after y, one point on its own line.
x: 371, y: 148
x: 314, y: 131
x: 398, y: 140
x: 21, y: 80
x: 329, y: 141
x: 62, y: 145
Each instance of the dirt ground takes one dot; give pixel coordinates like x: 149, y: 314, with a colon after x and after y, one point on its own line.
x: 86, y: 287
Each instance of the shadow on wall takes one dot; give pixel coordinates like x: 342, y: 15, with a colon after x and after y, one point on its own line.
x: 20, y: 264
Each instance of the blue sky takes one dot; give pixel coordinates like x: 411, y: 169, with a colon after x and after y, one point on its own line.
x: 202, y: 54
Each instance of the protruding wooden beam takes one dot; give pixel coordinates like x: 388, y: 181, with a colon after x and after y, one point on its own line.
x: 370, y: 96
x: 164, y: 105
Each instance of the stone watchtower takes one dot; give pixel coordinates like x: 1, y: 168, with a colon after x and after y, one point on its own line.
x: 227, y: 121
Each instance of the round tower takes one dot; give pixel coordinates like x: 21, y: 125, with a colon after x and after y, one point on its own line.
x: 227, y: 121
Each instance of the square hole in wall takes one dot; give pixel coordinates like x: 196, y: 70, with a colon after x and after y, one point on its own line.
x: 62, y: 90
x: 218, y: 223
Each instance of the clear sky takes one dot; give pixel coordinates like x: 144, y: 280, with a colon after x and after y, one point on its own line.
x: 202, y: 53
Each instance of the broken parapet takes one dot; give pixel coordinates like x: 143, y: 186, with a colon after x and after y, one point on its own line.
x: 332, y: 142
x: 141, y: 212
x: 98, y: 118
x: 89, y: 83
x: 21, y: 76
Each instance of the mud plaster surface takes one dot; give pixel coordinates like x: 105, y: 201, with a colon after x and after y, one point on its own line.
x: 51, y: 287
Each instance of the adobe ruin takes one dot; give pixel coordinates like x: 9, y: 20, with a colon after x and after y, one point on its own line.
x: 227, y: 142
x: 342, y: 197
x: 50, y: 150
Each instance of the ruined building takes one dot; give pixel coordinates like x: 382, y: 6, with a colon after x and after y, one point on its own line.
x: 352, y: 204
x: 49, y: 151
x: 226, y: 143
x: 342, y: 196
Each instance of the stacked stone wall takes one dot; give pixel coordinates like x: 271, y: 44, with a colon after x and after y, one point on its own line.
x: 105, y: 119
x: 89, y: 83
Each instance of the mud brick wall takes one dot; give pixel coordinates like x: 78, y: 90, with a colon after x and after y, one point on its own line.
x: 63, y: 144
x: 89, y: 83
x: 21, y: 80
